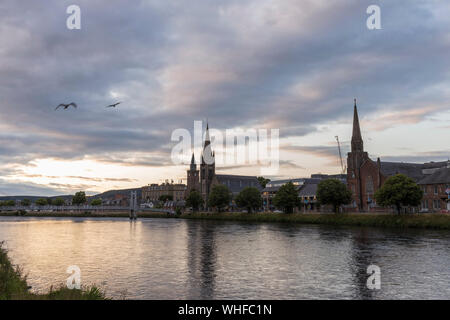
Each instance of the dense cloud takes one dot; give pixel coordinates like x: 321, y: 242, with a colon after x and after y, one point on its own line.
x: 280, y: 64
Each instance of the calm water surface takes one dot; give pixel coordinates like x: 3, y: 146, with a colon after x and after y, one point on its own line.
x: 182, y: 259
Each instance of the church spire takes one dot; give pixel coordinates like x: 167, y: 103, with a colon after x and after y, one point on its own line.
x: 193, y: 165
x: 357, y: 142
x: 207, y: 151
x: 207, y: 138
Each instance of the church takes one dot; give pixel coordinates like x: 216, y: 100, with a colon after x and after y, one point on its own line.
x: 205, y: 178
x: 365, y: 176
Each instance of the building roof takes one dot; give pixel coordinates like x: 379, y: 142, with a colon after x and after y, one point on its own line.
x: 301, y: 184
x: 439, y: 164
x: 412, y: 170
x: 309, y: 189
x: 279, y: 183
x: 440, y: 176
x: 237, y: 183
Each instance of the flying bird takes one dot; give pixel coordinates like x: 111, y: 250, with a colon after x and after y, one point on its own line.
x: 113, y: 105
x: 66, y: 106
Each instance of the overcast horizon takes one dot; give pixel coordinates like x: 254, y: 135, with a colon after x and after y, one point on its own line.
x: 292, y: 65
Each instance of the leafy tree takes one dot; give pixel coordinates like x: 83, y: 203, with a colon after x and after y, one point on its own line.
x: 79, y: 198
x: 194, y: 200
x: 165, y: 197
x: 219, y: 197
x: 25, y: 202
x: 398, y: 191
x: 263, y: 181
x: 42, y: 202
x: 333, y: 192
x: 96, y: 202
x: 287, y: 198
x: 58, y: 202
x: 249, y: 198
x: 9, y: 203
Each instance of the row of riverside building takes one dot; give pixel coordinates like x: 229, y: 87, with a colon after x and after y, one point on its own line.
x: 364, y: 177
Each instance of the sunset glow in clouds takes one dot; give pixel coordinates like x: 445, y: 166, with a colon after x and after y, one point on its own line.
x: 293, y: 65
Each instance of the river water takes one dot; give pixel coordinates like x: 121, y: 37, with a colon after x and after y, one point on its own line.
x: 192, y: 259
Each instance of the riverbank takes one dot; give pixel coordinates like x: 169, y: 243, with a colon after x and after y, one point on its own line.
x: 82, y: 214
x: 423, y: 221
x: 13, y: 285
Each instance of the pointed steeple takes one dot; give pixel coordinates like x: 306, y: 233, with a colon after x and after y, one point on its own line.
x: 207, y: 150
x: 357, y: 142
x: 193, y: 165
x: 207, y: 138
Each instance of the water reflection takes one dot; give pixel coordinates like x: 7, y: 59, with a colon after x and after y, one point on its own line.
x: 362, y: 255
x: 201, y: 259
x: 179, y: 259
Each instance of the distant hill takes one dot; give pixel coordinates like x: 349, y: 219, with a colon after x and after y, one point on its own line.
x: 33, y: 198
x: 110, y: 194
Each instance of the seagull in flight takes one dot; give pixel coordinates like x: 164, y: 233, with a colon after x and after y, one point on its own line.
x: 113, y: 105
x: 66, y: 106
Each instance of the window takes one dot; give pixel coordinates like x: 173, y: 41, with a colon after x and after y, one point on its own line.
x: 435, y: 189
x: 369, y: 185
x: 436, y: 204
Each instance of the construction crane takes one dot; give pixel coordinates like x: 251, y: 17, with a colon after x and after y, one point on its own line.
x: 340, y: 155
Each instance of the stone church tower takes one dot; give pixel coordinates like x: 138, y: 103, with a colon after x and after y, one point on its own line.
x: 193, y: 177
x: 201, y: 180
x: 355, y: 159
x: 207, y: 167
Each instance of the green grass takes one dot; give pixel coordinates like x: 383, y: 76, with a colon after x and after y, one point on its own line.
x: 429, y: 221
x: 13, y: 285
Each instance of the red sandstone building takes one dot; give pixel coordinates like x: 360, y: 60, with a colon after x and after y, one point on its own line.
x: 206, y: 178
x: 365, y: 176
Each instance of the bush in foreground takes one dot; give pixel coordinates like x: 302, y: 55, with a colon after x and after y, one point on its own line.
x: 13, y: 285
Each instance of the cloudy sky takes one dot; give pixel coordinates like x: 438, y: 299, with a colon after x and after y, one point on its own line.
x: 292, y: 65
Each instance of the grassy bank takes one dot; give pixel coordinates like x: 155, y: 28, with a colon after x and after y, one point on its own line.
x: 428, y: 221
x: 13, y: 285
x: 425, y: 221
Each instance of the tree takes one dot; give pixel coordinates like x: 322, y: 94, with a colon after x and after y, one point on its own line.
x: 249, y: 198
x: 96, y: 202
x: 219, y: 197
x: 263, y: 181
x: 333, y: 192
x: 398, y: 191
x: 25, y: 202
x: 42, y: 202
x: 58, y: 202
x: 194, y: 200
x: 287, y: 198
x: 165, y: 197
x: 9, y: 203
x: 79, y: 198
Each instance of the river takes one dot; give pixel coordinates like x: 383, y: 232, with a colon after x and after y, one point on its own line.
x: 193, y: 259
